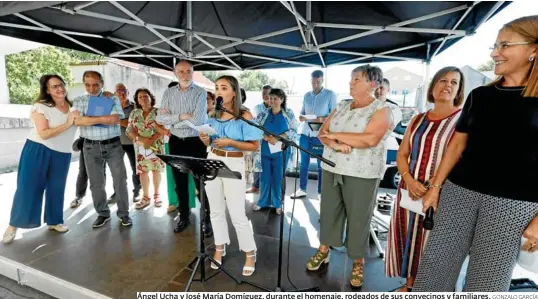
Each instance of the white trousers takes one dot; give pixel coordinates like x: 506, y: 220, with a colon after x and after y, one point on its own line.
x: 222, y: 193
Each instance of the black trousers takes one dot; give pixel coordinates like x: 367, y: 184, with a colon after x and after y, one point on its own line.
x: 130, y: 151
x: 189, y: 147
x: 82, y: 178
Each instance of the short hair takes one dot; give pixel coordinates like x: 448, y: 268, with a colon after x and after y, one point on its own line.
x: 92, y: 74
x: 386, y: 82
x: 267, y: 87
x: 211, y: 95
x: 458, y: 100
x: 317, y: 74
x: 186, y: 61
x: 279, y: 93
x: 372, y: 73
x: 151, y: 96
x: 172, y: 84
x: 243, y: 95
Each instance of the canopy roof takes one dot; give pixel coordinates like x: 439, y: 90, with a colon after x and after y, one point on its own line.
x: 249, y: 35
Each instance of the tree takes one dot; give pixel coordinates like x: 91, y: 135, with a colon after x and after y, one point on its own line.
x: 487, y: 67
x: 24, y: 69
x: 250, y: 80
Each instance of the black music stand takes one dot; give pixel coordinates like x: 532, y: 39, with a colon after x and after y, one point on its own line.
x: 204, y: 170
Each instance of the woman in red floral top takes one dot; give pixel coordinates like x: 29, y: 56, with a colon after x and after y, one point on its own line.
x: 147, y: 136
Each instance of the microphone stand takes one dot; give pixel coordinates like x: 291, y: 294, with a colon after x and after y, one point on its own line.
x: 286, y: 143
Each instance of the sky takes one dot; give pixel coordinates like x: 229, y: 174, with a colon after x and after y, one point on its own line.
x: 475, y: 47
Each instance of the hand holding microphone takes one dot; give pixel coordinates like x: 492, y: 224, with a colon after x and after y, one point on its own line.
x: 429, y: 203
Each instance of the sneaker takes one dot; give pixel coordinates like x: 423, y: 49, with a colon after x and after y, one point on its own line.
x: 126, y: 221
x: 100, y: 221
x: 112, y: 199
x: 299, y: 194
x: 76, y: 202
x: 61, y: 228
x: 9, y: 235
x: 136, y: 195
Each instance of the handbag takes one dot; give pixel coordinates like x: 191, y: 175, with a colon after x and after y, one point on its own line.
x: 408, y: 203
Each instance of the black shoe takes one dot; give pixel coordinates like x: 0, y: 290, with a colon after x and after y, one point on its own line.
x: 182, y: 225
x: 112, y: 199
x: 76, y: 202
x: 126, y: 221
x: 100, y: 221
x: 136, y: 195
x: 208, y: 229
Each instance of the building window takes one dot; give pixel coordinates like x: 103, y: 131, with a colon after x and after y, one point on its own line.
x: 394, y: 91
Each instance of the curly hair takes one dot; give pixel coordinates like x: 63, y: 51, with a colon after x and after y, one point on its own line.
x: 151, y: 96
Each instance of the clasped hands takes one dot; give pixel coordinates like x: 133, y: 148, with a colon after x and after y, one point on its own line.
x: 336, y: 145
x: 72, y: 117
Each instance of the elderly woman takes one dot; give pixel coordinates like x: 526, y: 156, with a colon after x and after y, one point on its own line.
x: 44, y: 161
x: 144, y: 131
x: 279, y: 120
x: 354, y: 136
x: 424, y: 144
x: 234, y: 137
x: 488, y: 175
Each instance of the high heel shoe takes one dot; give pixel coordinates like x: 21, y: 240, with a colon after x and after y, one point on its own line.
x: 223, y: 250
x: 248, y: 270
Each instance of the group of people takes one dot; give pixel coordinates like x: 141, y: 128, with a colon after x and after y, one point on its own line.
x: 442, y: 160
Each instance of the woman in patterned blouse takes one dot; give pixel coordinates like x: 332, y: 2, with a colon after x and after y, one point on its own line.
x: 147, y: 135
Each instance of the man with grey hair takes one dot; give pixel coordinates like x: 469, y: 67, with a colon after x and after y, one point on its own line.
x: 102, y: 146
x: 181, y: 104
x: 381, y: 94
x: 317, y: 105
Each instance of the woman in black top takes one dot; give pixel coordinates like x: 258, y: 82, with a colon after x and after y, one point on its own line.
x: 489, y: 200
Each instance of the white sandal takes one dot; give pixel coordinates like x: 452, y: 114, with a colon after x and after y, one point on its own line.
x: 248, y: 270
x: 223, y: 250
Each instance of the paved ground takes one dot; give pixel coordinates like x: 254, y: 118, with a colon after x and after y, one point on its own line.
x: 9, y: 289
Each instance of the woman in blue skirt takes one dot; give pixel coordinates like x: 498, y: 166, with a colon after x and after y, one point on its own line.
x: 44, y: 161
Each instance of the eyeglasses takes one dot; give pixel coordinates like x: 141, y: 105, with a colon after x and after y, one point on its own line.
x: 54, y: 87
x: 506, y: 45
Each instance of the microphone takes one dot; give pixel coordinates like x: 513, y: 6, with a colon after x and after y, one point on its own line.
x: 428, y: 219
x: 219, y: 106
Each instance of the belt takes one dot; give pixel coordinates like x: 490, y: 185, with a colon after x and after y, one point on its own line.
x: 106, y: 141
x: 230, y: 154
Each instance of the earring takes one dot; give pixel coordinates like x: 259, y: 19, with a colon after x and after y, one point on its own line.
x: 531, y: 59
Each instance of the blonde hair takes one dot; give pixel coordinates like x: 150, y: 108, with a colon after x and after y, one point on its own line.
x: 527, y: 27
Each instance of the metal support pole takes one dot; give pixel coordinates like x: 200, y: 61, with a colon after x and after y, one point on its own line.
x: 189, y: 28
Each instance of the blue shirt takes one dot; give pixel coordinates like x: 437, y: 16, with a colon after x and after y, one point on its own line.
x: 320, y: 105
x: 80, y: 103
x: 235, y: 129
x: 276, y: 124
x: 259, y: 108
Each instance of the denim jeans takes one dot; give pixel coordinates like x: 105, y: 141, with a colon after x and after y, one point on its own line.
x: 96, y: 155
x: 308, y: 143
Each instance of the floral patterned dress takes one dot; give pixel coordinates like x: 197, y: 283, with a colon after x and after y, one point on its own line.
x: 145, y: 127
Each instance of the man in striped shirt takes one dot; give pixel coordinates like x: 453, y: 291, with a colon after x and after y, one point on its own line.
x: 180, y: 105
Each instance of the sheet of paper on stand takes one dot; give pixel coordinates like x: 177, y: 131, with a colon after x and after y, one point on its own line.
x: 205, y: 128
x: 275, y: 148
x: 310, y: 116
x: 408, y: 203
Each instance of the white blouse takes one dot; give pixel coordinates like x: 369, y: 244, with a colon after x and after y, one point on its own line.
x: 62, y: 142
x: 365, y: 163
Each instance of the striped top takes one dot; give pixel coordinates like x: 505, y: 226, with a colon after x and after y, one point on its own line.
x: 428, y: 142
x: 176, y: 102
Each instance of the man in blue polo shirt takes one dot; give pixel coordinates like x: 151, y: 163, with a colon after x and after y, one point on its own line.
x: 317, y: 105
